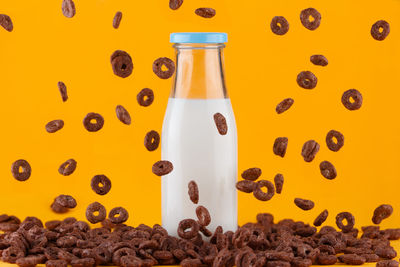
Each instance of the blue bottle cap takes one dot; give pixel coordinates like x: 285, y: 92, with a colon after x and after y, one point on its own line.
x: 198, y: 37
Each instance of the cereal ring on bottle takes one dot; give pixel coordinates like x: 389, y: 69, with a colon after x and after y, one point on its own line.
x: 162, y: 167
x: 193, y: 191
x: 203, y: 215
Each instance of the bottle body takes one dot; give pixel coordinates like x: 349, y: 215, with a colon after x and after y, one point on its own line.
x: 191, y: 141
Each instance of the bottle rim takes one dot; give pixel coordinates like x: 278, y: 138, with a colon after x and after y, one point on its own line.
x: 199, y: 37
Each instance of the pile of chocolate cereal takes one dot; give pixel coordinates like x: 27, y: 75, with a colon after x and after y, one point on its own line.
x: 263, y: 243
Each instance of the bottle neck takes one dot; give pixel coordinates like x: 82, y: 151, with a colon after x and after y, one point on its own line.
x: 199, y: 72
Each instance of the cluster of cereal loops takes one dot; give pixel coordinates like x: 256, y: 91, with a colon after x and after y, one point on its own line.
x: 264, y: 243
x: 351, y: 99
x: 122, y: 66
x: 163, y: 167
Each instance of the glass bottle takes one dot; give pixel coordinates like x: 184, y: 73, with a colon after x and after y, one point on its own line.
x: 190, y: 139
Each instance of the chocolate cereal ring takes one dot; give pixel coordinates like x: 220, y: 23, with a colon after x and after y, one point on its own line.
x: 121, y: 63
x: 203, y: 215
x: 205, y: 231
x: 117, y: 19
x: 321, y: 218
x: 305, y: 18
x: 354, y: 95
x: 193, y: 191
x: 245, y: 186
x: 186, y: 224
x: 387, y: 263
x: 107, y: 224
x: 63, y: 91
x: 309, y: 150
x: 386, y: 252
x: 380, y: 30
x: 259, y: 194
x: 152, y: 140
x: 382, y: 212
x: 175, y: 4
x: 54, y: 126
x: 304, y: 204
x: 123, y: 115
x: 328, y: 170
x: 66, y: 201
x: 131, y: 261
x: 326, y: 259
x: 84, y: 262
x: 57, y: 208
x: 220, y: 122
x: 284, y: 105
x: 167, y: 63
x: 100, y: 184
x: 92, y: 209
x: 334, y: 145
x: 68, y: 8
x: 51, y: 225
x: 145, y: 97
x: 280, y: 146
x: 12, y: 254
x: 118, y: 215
x: 6, y: 22
x: 278, y: 180
x: 307, y: 80
x: 56, y: 263
x: 21, y: 170
x: 251, y: 174
x: 190, y: 262
x: 371, y: 258
x: 68, y: 167
x: 350, y: 221
x: 96, y: 126
x: 279, y: 25
x: 319, y: 60
x: 116, y: 258
x: 352, y: 259
x: 205, y: 12
x: 162, y: 167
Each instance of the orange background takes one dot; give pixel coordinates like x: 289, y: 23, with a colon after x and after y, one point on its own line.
x: 261, y: 69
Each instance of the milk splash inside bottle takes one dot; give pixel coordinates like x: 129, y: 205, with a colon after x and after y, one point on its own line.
x: 190, y: 139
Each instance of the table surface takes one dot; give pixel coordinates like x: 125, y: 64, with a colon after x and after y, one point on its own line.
x: 395, y: 244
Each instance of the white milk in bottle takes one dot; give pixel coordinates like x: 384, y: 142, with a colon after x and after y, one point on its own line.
x: 190, y: 138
